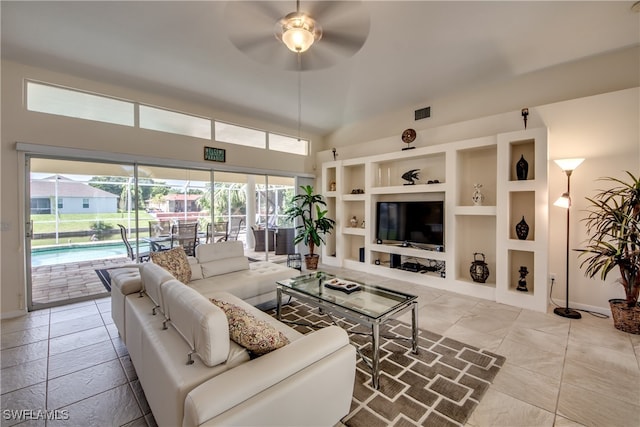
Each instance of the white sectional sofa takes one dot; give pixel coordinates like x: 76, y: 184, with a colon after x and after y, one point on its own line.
x: 194, y: 374
x: 224, y: 267
x: 216, y: 267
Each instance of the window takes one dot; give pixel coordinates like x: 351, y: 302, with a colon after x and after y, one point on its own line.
x: 72, y: 103
x: 85, y: 203
x: 172, y: 122
x: 40, y: 205
x: 51, y: 99
x: 225, y: 132
x: 288, y: 144
x: 60, y: 204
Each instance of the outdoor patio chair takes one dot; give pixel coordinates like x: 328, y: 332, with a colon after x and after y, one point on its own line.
x: 142, y: 256
x: 160, y: 227
x: 160, y: 234
x: 185, y: 234
x: 258, y: 236
x: 234, y: 229
x: 217, y: 231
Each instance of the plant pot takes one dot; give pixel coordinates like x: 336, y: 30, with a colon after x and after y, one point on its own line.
x: 626, y: 319
x: 311, y: 261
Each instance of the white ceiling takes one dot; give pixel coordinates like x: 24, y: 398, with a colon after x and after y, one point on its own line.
x: 415, y: 51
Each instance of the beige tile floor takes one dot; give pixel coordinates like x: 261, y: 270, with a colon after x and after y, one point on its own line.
x: 558, y: 372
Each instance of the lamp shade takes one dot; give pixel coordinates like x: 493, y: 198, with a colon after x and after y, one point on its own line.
x: 568, y: 164
x: 563, y: 201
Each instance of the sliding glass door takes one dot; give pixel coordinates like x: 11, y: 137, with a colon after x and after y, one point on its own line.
x: 74, y: 208
x: 85, y: 217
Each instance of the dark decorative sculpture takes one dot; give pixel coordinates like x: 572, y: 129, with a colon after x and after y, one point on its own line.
x: 522, y: 168
x: 522, y: 229
x: 525, y: 113
x: 479, y: 269
x: 411, y: 176
x: 522, y: 283
x: 408, y: 136
x: 335, y: 153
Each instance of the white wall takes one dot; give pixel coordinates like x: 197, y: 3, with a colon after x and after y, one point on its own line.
x: 604, y: 129
x: 64, y: 133
x: 605, y: 73
x: 590, y: 107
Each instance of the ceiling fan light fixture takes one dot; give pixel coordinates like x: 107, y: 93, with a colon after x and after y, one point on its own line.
x: 298, y: 31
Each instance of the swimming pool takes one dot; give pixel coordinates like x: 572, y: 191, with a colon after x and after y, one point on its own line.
x: 75, y: 253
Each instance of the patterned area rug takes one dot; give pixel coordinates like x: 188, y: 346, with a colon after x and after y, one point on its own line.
x: 439, y: 386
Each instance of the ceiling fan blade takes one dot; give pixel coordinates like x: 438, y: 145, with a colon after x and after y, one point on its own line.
x: 327, y: 11
x: 275, y: 55
x: 347, y: 44
x: 249, y: 44
x: 318, y: 58
x: 243, y: 12
x: 345, y: 25
x: 251, y: 28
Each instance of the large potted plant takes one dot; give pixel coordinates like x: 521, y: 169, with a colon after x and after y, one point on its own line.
x: 307, y: 208
x: 613, y: 226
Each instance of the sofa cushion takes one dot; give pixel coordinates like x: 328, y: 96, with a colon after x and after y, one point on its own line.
x: 224, y: 266
x: 153, y: 277
x: 126, y: 279
x: 174, y: 261
x: 255, y: 335
x: 196, y: 270
x: 203, y: 325
x: 221, y: 250
x: 255, y: 285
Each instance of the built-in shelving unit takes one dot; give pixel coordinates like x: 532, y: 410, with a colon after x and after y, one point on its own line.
x: 526, y: 198
x: 448, y: 173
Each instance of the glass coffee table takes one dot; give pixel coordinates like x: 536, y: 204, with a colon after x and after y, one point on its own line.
x: 366, y: 304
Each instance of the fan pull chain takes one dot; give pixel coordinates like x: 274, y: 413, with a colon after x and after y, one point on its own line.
x: 299, y: 92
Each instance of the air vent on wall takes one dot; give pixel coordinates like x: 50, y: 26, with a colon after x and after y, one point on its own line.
x: 423, y: 113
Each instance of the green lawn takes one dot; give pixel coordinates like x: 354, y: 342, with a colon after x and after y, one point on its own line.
x: 83, y: 222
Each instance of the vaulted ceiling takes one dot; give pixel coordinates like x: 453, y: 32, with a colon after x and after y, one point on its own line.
x: 414, y: 51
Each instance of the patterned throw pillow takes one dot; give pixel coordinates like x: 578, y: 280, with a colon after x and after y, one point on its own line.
x: 175, y: 262
x: 257, y: 336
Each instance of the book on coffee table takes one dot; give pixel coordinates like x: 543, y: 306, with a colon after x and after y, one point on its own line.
x: 342, y: 285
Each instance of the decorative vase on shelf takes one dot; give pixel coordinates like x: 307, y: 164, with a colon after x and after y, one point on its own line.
x: 332, y: 186
x: 479, y: 269
x: 477, y: 196
x: 522, y: 229
x: 522, y: 168
x: 354, y: 222
x: 522, y: 282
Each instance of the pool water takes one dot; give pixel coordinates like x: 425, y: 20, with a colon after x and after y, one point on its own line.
x: 77, y: 253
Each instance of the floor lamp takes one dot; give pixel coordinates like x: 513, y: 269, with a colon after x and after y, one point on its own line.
x: 568, y: 166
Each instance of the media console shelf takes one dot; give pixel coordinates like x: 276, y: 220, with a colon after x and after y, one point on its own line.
x: 447, y: 173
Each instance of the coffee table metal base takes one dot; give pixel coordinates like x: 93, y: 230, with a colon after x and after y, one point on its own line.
x: 372, y: 323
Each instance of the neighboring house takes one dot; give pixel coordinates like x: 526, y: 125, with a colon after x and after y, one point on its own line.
x: 177, y: 202
x: 72, y: 197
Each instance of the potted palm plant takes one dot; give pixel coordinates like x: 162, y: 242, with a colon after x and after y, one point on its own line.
x: 313, y: 222
x: 613, y: 226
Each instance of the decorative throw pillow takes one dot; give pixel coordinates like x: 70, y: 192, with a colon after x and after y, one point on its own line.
x: 257, y: 336
x: 175, y: 262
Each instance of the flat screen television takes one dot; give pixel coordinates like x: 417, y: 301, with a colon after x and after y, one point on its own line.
x: 411, y: 222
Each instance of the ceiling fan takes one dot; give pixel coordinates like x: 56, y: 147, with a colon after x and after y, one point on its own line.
x: 336, y: 30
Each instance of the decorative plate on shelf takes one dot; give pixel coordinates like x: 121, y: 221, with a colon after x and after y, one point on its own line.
x: 408, y: 136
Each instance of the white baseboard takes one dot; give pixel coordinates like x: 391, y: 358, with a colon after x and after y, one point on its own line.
x: 13, y: 314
